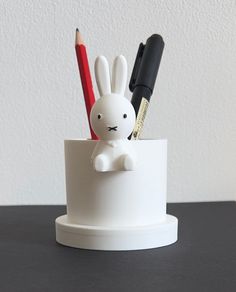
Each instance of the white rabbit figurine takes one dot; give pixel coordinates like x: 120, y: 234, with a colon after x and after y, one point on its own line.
x: 112, y: 118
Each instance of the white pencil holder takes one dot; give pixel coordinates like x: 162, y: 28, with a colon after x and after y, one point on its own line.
x: 117, y: 210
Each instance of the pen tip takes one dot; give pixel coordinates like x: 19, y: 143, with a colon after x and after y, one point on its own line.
x: 77, y: 29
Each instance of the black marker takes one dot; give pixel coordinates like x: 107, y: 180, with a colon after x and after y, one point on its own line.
x: 143, y: 78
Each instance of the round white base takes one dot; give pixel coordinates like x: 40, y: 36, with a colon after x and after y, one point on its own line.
x: 124, y: 238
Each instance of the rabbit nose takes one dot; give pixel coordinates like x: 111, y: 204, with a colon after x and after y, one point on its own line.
x: 112, y: 128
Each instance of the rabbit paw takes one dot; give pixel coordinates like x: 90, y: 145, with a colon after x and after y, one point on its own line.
x: 128, y: 162
x: 100, y: 163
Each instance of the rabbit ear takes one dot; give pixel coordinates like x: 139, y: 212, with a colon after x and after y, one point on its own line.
x: 119, y: 75
x: 102, y: 75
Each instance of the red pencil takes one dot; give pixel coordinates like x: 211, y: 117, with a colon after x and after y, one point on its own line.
x: 85, y: 77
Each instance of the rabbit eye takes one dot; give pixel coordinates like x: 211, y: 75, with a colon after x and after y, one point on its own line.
x: 124, y: 116
x: 99, y: 116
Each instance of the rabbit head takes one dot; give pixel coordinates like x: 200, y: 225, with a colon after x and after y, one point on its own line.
x: 112, y: 116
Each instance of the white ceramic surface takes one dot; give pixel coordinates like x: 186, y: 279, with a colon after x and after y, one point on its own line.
x: 119, y: 202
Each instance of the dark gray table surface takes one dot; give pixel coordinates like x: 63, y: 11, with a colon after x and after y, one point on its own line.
x: 203, y: 259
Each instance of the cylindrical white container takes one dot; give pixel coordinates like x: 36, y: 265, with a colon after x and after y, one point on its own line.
x: 117, y: 210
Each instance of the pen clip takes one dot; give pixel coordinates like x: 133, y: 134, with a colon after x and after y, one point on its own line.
x: 136, y: 67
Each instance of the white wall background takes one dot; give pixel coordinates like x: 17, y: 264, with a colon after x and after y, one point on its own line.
x: 41, y: 104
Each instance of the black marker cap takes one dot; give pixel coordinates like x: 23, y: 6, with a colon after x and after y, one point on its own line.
x: 147, y: 63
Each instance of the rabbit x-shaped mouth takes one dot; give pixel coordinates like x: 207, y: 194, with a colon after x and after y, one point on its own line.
x: 112, y: 128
